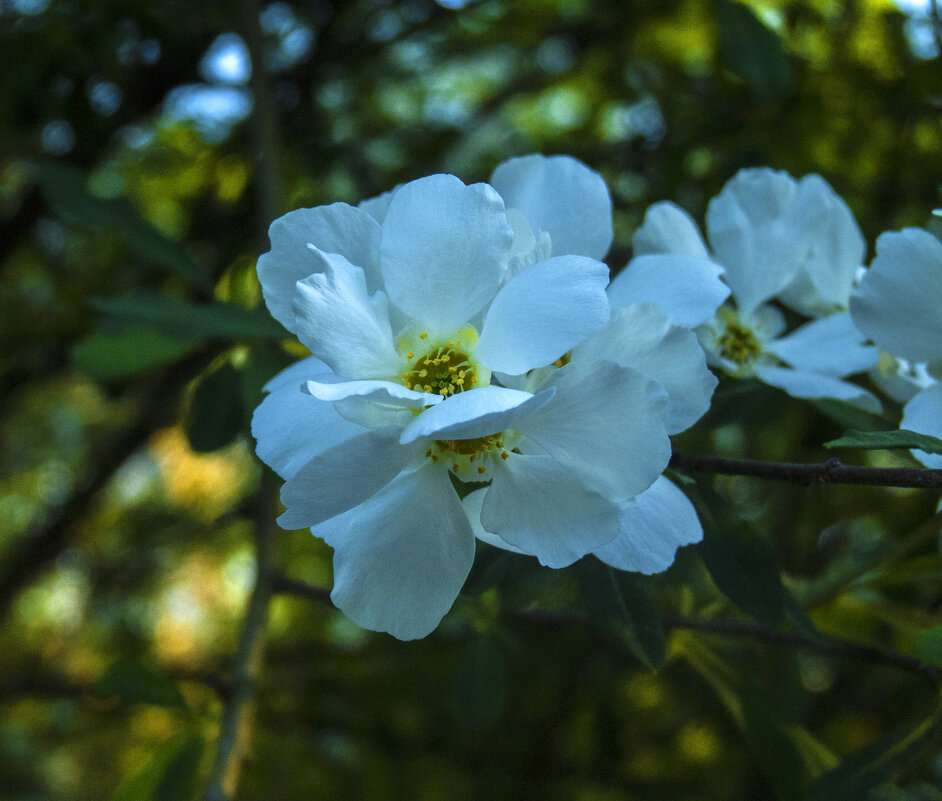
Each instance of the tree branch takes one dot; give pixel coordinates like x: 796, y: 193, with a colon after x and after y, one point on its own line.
x: 830, y: 472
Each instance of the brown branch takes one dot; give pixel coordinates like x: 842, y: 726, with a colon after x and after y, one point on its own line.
x: 830, y: 472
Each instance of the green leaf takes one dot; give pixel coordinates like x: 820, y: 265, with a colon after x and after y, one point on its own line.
x: 480, y: 682
x: 181, y: 319
x: 929, y: 645
x: 215, y: 414
x: 65, y: 189
x: 877, y: 764
x: 753, y: 51
x: 170, y: 775
x: 136, y: 682
x: 887, y: 440
x: 133, y: 351
x: 740, y: 562
x: 850, y: 417
x: 621, y: 602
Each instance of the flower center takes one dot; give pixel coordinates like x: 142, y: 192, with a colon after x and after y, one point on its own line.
x: 446, y: 368
x: 738, y: 344
x: 469, y: 459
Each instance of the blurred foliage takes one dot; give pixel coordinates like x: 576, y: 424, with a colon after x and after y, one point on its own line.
x: 139, y: 169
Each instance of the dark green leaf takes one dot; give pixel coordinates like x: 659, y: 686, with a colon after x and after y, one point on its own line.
x: 929, y: 645
x: 170, y: 775
x: 622, y: 603
x: 136, y: 682
x: 753, y: 51
x: 480, y: 686
x: 178, y: 318
x: 64, y: 187
x: 215, y: 414
x: 887, y: 440
x: 133, y: 351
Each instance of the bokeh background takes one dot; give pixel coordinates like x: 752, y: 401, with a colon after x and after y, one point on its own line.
x: 146, y: 146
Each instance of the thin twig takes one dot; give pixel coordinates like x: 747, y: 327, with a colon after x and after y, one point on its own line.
x: 830, y: 472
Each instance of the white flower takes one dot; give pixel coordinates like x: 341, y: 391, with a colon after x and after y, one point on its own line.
x: 899, y: 306
x: 771, y: 237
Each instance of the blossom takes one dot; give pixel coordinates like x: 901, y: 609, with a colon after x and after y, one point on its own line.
x: 772, y: 238
x: 897, y: 305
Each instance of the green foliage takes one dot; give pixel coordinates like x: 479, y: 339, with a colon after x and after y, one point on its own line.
x: 137, y: 349
x: 136, y: 682
x: 170, y: 775
x: 753, y: 51
x: 887, y: 440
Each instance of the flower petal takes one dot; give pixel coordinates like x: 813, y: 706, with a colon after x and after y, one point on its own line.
x: 835, y: 250
x: 401, y: 558
x: 831, y: 345
x: 536, y: 505
x: 475, y: 413
x: 641, y: 337
x: 299, y: 372
x: 667, y: 228
x: 472, y: 503
x: 342, y: 324
x: 653, y: 526
x: 923, y: 414
x: 291, y: 428
x: 343, y: 476
x: 444, y: 250
x: 899, y: 298
x: 373, y: 404
x: 607, y: 423
x: 542, y: 312
x: 561, y: 196
x: 688, y: 288
x: 377, y: 206
x: 755, y: 233
x: 337, y: 228
x: 804, y: 384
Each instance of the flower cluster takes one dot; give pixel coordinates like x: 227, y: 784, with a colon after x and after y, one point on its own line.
x: 474, y: 376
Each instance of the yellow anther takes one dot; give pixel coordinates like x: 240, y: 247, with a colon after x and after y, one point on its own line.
x: 446, y: 358
x: 434, y: 458
x: 482, y: 469
x: 428, y: 388
x: 428, y: 453
x: 473, y: 457
x: 410, y: 354
x: 516, y: 450
x: 558, y: 363
x: 505, y: 455
x: 454, y: 467
x: 423, y: 373
x: 423, y: 335
x: 417, y: 387
x: 499, y: 444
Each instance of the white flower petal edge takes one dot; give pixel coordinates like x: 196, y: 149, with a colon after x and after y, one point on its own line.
x: 337, y: 228
x: 372, y: 403
x: 475, y: 413
x: 899, y: 299
x: 831, y: 345
x: 401, y: 558
x: 342, y: 477
x: 562, y: 196
x: 341, y: 324
x: 535, y: 505
x: 687, y: 288
x: 606, y: 424
x: 299, y: 372
x: 755, y: 234
x: 542, y: 312
x: 803, y: 384
x: 642, y: 337
x: 472, y: 503
x: 667, y: 228
x: 444, y: 250
x: 923, y: 414
x: 653, y: 526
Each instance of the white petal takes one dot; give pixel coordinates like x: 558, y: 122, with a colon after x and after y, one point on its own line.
x: 529, y: 246
x: 608, y: 424
x: 337, y: 228
x: 923, y: 414
x: 299, y: 372
x: 641, y: 337
x: 444, y: 250
x: 835, y: 250
x: 472, y: 503
x: 667, y: 228
x: 561, y: 196
x: 401, y: 558
x: 687, y: 288
x: 342, y: 324
x: 542, y: 312
x: 475, y: 413
x: 653, y: 526
x: 291, y: 428
x: 537, y: 505
x: 803, y: 384
x: 343, y: 476
x: 755, y: 234
x: 377, y: 206
x: 381, y: 391
x: 899, y: 298
x: 832, y: 346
